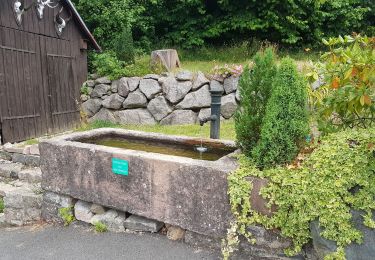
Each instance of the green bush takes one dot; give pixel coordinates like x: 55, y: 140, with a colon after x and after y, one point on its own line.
x: 124, y: 46
x: 255, y: 88
x: 285, y: 124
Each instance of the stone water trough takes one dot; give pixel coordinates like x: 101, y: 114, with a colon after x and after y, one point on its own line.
x: 170, y: 187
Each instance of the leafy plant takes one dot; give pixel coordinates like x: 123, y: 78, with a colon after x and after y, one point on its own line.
x: 1, y: 205
x: 84, y: 90
x: 285, y: 125
x: 255, y: 89
x: 348, y: 69
x: 100, y: 227
x: 220, y: 73
x: 67, y: 215
x: 338, y: 176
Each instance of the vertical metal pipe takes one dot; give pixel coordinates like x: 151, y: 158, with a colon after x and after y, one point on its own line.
x: 216, y: 95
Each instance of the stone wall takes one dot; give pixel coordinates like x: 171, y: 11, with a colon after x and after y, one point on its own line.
x: 168, y: 99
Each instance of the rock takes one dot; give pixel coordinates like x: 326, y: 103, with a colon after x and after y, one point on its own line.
x: 175, y: 233
x: 151, y: 76
x: 84, y: 98
x: 354, y: 251
x: 204, y: 113
x: 135, y: 99
x: 214, y: 84
x: 184, y: 75
x: 82, y: 211
x: 112, y: 219
x: 93, y: 76
x: 231, y: 84
x: 198, y: 99
x: 103, y: 80
x: 238, y: 95
x: 149, y: 87
x: 175, y: 91
x: 133, y: 83
x: 135, y: 117
x: 34, y: 149
x: 97, y: 209
x: 28, y: 160
x: 103, y: 115
x: 137, y: 223
x: 159, y: 108
x: 199, y: 81
x: 113, y: 101
x: 180, y: 117
x: 2, y: 220
x: 9, y: 169
x: 51, y: 204
x: 5, y: 155
x: 32, y: 175
x: 10, y: 148
x: 122, y: 87
x: 22, y: 207
x: 100, y: 90
x: 90, y: 83
x: 228, y: 105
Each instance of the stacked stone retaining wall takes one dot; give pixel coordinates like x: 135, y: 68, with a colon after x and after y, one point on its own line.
x: 168, y: 99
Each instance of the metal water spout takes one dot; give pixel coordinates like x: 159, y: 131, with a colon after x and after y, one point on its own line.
x: 216, y: 94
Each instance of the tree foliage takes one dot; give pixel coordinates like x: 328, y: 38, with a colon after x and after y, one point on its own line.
x: 255, y: 89
x: 193, y: 23
x: 285, y: 125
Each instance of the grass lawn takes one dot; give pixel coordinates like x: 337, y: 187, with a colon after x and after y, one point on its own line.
x: 227, y: 129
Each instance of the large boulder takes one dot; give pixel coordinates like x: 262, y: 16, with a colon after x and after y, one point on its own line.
x: 231, y: 84
x: 184, y: 75
x: 149, y: 87
x: 133, y: 83
x: 113, y: 101
x: 104, y: 114
x: 180, y: 117
x: 175, y: 91
x: 135, y: 99
x: 200, y: 80
x: 198, y: 99
x: 100, y: 90
x: 228, y: 105
x: 135, y: 117
x: 122, y: 87
x: 90, y: 83
x: 91, y: 106
x: 159, y: 108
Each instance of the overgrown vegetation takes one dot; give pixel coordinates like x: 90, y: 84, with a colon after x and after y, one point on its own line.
x: 67, y: 215
x: 347, y: 97
x: 1, y: 205
x: 285, y: 124
x: 336, y: 177
x: 100, y: 227
x: 255, y: 89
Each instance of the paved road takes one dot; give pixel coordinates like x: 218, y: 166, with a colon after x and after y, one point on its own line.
x: 76, y: 243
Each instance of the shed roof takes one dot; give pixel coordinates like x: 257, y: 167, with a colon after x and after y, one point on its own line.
x: 83, y: 26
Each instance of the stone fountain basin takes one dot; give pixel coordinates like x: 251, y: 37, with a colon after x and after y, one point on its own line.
x: 189, y: 193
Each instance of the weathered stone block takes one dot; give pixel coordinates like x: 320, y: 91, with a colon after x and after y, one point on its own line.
x: 51, y: 204
x: 137, y: 223
x: 135, y: 117
x: 199, y: 81
x: 91, y: 107
x: 198, y: 99
x: 28, y: 160
x: 175, y: 91
x: 113, y: 101
x: 100, y: 90
x: 159, y: 108
x: 149, y: 87
x: 5, y: 155
x: 231, y: 84
x: 184, y: 75
x: 122, y: 87
x: 112, y: 219
x: 135, y: 99
x: 103, y: 80
x: 10, y: 170
x: 30, y: 175
x: 82, y: 211
x: 133, y: 83
x: 180, y: 117
x: 104, y: 115
x: 97, y: 209
x: 228, y: 105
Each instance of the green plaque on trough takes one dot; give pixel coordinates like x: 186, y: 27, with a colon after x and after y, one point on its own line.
x: 120, y: 166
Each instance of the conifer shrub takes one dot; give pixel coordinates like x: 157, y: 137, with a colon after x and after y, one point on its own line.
x: 285, y: 124
x: 255, y: 88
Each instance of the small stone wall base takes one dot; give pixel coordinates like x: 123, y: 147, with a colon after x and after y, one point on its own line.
x: 51, y: 204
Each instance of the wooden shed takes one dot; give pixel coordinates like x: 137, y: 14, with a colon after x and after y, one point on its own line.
x: 43, y: 64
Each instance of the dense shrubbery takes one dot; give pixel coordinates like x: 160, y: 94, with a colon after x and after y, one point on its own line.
x: 347, y: 99
x: 255, y: 90
x: 285, y: 125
